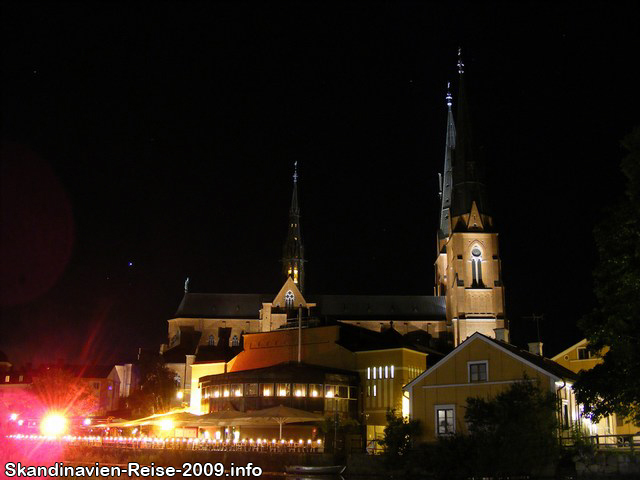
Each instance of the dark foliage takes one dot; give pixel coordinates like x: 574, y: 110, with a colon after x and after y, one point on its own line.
x: 157, y: 388
x: 397, y: 437
x: 614, y: 385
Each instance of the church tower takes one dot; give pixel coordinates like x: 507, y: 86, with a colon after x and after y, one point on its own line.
x: 293, y: 252
x: 468, y: 263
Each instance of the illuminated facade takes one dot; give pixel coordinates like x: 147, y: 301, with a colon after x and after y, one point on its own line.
x: 213, y: 335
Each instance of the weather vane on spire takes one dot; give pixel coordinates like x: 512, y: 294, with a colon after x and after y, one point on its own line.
x: 460, y: 64
x: 295, y: 171
x: 449, y: 97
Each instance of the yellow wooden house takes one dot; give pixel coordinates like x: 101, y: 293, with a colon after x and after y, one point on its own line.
x: 578, y: 357
x: 482, y: 367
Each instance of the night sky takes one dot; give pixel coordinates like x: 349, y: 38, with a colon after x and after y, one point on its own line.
x: 144, y: 143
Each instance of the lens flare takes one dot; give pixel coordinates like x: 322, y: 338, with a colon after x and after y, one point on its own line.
x: 53, y: 424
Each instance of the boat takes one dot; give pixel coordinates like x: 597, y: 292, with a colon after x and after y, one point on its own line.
x: 315, y: 470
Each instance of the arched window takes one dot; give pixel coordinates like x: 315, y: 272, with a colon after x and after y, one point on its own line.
x: 235, y: 341
x: 211, y: 341
x: 288, y: 299
x: 476, y: 267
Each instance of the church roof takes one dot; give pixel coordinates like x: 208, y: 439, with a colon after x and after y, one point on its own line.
x: 379, y: 307
x: 222, y: 305
x: 342, y: 307
x: 359, y: 339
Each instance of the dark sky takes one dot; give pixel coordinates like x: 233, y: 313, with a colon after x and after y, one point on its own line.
x: 164, y: 135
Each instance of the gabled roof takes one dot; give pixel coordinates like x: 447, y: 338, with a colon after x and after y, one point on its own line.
x: 535, y: 361
x: 581, y: 343
x: 222, y: 305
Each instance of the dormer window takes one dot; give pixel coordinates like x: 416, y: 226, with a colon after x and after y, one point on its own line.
x: 289, y: 298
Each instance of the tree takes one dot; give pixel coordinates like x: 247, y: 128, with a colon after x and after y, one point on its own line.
x: 58, y: 389
x: 397, y: 437
x: 614, y: 385
x: 513, y: 433
x: 157, y: 388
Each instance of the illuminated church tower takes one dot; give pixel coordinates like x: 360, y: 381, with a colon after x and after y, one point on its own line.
x: 468, y: 263
x: 293, y: 252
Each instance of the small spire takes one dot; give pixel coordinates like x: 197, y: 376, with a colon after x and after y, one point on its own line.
x: 449, y: 97
x: 295, y: 171
x: 460, y: 62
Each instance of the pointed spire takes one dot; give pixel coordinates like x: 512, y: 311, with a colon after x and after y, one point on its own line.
x: 293, y: 252
x: 446, y: 177
x: 468, y: 181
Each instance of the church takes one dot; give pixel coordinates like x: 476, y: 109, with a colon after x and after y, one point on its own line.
x: 360, y: 349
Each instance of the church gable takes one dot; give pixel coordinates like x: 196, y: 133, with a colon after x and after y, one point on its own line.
x: 474, y: 221
x: 290, y: 296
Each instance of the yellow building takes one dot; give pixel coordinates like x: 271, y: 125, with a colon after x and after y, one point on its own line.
x: 482, y: 367
x: 578, y: 357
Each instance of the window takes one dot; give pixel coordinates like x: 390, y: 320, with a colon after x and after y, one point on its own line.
x: 211, y: 341
x: 96, y: 385
x: 20, y: 378
x: 235, y: 341
x: 374, y: 373
x: 289, y: 298
x: 445, y: 419
x: 476, y: 267
x: 330, y: 391
x: 236, y: 389
x: 251, y: 389
x: 343, y: 391
x: 565, y: 415
x: 315, y: 390
x: 368, y: 390
x: 583, y: 353
x: 7, y: 378
x: 353, y: 393
x: 478, y: 372
x: 225, y: 390
x: 266, y: 389
x: 386, y: 371
x: 284, y: 390
x: 375, y: 391
x: 300, y: 390
x: 392, y: 373
x: 368, y: 373
x: 380, y: 372
x: 215, y: 391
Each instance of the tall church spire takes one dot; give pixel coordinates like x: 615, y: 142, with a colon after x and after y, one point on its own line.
x: 293, y: 252
x: 446, y: 180
x: 468, y: 175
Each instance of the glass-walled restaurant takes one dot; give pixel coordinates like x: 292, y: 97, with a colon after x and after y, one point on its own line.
x: 305, y: 387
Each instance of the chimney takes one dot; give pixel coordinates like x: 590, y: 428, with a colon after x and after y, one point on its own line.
x: 502, y: 334
x: 535, y: 348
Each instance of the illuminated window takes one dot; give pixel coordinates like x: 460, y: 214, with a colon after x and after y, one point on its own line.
x: 368, y: 390
x: 295, y: 275
x: 386, y: 371
x: 445, y: 419
x: 215, y: 391
x: 283, y: 390
x: 235, y: 341
x: 330, y: 391
x: 266, y: 389
x: 375, y: 391
x: 225, y: 390
x: 368, y: 373
x: 289, y: 298
x: 236, y: 389
x: 315, y: 390
x: 380, y: 372
x: 300, y: 390
x: 392, y: 372
x: 476, y: 267
x: 7, y: 379
x: 478, y: 372
x: 374, y: 372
